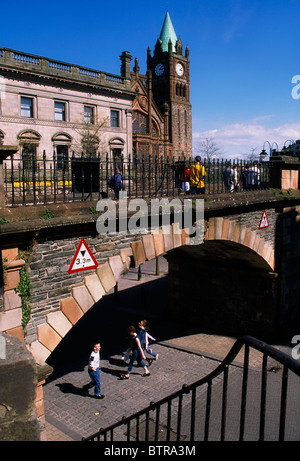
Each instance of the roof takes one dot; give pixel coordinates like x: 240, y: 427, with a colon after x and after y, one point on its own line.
x: 168, y: 33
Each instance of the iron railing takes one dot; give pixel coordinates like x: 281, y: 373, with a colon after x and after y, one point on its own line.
x: 56, y: 179
x: 246, y: 404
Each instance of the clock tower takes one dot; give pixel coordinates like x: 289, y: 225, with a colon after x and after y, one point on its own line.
x: 170, y: 70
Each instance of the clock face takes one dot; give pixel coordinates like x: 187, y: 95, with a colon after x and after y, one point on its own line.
x: 179, y: 69
x: 159, y: 69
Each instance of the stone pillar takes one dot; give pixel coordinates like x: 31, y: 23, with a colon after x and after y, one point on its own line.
x: 43, y: 373
x: 125, y: 64
x: 128, y: 134
x: 284, y: 172
x: 11, y: 316
x: 18, y: 377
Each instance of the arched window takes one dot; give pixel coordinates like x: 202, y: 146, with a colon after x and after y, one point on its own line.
x: 61, y: 143
x: 29, y: 141
x: 1, y: 137
x: 139, y: 123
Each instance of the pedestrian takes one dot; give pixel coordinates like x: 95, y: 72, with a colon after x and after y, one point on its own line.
x: 94, y: 373
x: 115, y: 183
x: 244, y: 177
x: 144, y: 336
x: 137, y: 354
x: 253, y: 176
x: 228, y: 178
x: 185, y: 180
x: 235, y: 178
x: 197, y: 177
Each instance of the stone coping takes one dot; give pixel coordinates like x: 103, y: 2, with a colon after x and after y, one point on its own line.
x: 30, y: 218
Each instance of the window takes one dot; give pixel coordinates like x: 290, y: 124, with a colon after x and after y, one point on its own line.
x: 62, y: 157
x: 115, y: 118
x: 60, y: 111
x: 139, y: 123
x: 88, y: 114
x: 26, y: 107
x: 29, y: 157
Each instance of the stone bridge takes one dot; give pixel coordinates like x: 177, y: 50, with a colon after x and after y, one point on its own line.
x: 240, y: 279
x: 258, y: 265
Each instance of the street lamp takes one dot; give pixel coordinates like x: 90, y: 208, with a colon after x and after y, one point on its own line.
x: 263, y: 152
x: 271, y: 154
x: 292, y: 142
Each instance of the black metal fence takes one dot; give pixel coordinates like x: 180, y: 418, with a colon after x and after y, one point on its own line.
x: 56, y: 179
x: 237, y: 403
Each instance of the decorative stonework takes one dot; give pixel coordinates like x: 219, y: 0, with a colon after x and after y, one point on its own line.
x: 226, y: 229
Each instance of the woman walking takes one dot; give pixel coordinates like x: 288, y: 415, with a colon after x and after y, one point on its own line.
x: 137, y: 354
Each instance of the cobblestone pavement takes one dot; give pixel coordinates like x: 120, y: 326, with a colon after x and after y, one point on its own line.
x: 184, y: 357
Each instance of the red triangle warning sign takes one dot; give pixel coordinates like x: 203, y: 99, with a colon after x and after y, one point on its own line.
x: 83, y: 259
x: 264, y: 222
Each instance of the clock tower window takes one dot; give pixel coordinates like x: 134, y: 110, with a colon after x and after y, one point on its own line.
x: 180, y: 90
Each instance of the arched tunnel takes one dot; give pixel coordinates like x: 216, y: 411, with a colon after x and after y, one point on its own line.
x: 223, y: 287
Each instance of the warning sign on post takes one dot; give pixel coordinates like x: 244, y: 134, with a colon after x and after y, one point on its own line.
x: 264, y: 222
x: 83, y: 259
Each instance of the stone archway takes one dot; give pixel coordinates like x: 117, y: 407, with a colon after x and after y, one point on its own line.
x: 106, y: 276
x: 226, y: 285
x: 227, y: 229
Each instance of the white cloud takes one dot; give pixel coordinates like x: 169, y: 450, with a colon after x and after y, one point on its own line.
x: 241, y: 138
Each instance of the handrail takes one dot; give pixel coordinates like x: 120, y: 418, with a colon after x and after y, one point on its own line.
x: 267, y: 350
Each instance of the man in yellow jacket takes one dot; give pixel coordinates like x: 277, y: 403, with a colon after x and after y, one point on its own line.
x: 197, y: 177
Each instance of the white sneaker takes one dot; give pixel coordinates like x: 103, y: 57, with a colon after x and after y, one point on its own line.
x: 156, y: 358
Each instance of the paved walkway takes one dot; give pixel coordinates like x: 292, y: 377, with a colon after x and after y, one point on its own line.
x: 184, y: 357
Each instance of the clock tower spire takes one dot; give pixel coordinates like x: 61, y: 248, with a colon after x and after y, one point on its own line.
x: 171, y: 86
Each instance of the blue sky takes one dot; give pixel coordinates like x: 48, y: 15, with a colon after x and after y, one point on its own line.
x: 243, y: 56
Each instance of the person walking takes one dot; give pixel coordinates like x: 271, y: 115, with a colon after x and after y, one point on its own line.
x: 144, y: 336
x: 197, y: 177
x: 115, y: 183
x: 137, y: 354
x: 94, y: 373
x: 185, y: 180
x: 228, y: 178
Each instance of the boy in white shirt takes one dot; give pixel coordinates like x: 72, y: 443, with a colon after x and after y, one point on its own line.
x: 94, y: 372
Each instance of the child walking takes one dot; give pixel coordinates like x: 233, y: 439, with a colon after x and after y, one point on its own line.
x: 144, y: 337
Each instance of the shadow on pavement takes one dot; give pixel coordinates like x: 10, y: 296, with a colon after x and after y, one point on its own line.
x: 107, y: 322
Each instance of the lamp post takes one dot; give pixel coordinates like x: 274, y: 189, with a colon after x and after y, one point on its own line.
x: 263, y: 152
x: 292, y: 142
x: 272, y: 148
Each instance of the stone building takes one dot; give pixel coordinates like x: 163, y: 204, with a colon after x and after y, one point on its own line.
x: 51, y: 106
x: 47, y: 105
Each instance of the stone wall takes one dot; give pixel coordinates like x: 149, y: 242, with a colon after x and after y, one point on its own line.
x: 51, y: 282
x: 18, y: 417
x: 288, y: 266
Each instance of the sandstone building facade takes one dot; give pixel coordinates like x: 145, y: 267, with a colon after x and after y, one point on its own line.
x: 48, y: 106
